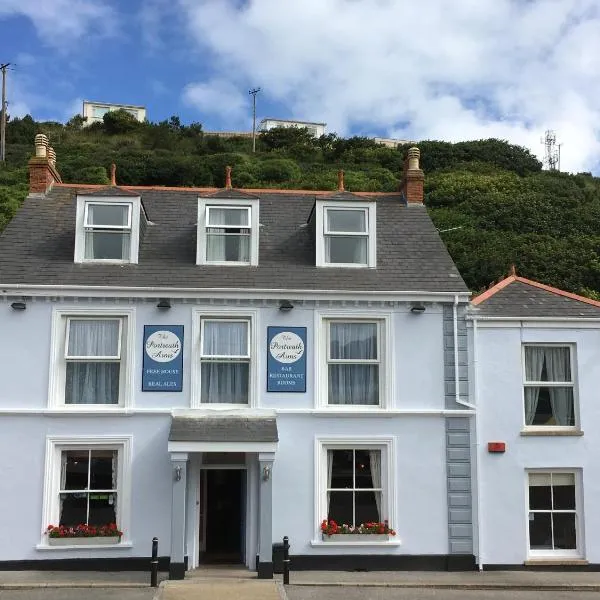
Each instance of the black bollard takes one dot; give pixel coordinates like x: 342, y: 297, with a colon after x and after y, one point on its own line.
x: 286, y: 560
x: 154, y: 563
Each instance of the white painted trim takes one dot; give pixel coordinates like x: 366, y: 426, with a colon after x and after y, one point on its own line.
x: 222, y: 446
x: 120, y: 545
x: 546, y: 322
x: 389, y: 496
x: 251, y: 315
x: 134, y: 215
x: 320, y: 353
x: 321, y: 544
x: 250, y: 203
x: 55, y: 444
x: 56, y: 379
x: 86, y: 291
x: 370, y: 209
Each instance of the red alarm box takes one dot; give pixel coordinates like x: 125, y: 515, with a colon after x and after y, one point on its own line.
x: 496, y: 447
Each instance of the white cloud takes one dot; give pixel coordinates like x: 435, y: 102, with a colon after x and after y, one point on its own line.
x: 62, y: 22
x: 218, y: 96
x: 418, y: 69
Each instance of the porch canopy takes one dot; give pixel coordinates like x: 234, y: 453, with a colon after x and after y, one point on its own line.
x: 223, y: 433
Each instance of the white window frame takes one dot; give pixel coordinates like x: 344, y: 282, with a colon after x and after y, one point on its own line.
x: 389, y: 501
x: 578, y: 553
x: 204, y: 204
x: 385, y: 358
x: 198, y: 317
x: 133, y: 226
x: 573, y: 384
x: 55, y: 445
x: 370, y: 210
x: 58, y: 354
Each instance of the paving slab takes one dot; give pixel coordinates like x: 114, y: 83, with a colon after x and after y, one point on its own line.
x: 15, y: 580
x: 220, y: 589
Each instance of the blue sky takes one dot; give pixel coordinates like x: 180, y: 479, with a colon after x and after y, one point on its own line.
x: 414, y: 70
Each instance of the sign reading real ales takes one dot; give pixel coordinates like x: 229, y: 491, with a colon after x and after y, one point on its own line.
x: 163, y: 358
x: 286, y: 359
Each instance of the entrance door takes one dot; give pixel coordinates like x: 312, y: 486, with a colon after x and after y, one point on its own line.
x: 224, y: 515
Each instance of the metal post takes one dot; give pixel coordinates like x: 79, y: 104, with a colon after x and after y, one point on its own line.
x: 253, y: 94
x: 3, y: 114
x: 154, y: 563
x: 286, y: 560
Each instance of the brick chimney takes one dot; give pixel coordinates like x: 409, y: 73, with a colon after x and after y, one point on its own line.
x: 42, y: 166
x: 412, y: 177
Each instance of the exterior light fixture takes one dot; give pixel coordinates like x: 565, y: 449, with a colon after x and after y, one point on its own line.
x: 18, y: 305
x: 285, y: 306
x: 177, y: 472
x: 266, y: 473
x: 164, y: 303
x: 417, y: 309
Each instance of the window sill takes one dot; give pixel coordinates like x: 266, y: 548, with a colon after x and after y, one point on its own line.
x: 558, y: 562
x: 356, y: 542
x: 551, y: 432
x: 46, y: 546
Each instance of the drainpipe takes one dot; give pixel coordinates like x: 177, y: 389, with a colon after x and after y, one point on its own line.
x: 456, y: 370
x: 477, y: 448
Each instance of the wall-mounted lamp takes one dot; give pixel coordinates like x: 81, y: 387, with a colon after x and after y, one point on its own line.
x: 417, y: 309
x: 164, y: 303
x: 285, y: 306
x: 266, y: 473
x: 18, y: 305
x: 177, y: 472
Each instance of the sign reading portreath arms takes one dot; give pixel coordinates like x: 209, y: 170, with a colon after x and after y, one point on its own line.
x: 163, y: 358
x: 286, y: 359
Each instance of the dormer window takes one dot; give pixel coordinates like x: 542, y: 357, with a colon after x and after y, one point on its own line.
x: 345, y: 234
x: 107, y: 229
x: 227, y: 232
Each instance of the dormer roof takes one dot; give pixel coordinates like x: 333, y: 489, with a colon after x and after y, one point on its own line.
x: 109, y: 191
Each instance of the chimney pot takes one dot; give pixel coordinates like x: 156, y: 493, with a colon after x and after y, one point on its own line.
x: 113, y: 174
x: 414, y: 154
x: 41, y: 145
x: 341, y: 180
x: 51, y: 156
x: 227, y: 177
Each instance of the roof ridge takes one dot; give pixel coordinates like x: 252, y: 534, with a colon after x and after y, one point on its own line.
x: 542, y: 286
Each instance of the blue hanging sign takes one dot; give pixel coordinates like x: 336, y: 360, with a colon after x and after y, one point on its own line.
x: 286, y: 359
x: 163, y: 358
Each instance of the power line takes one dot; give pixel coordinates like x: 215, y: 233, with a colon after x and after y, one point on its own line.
x: 253, y: 94
x: 3, y: 68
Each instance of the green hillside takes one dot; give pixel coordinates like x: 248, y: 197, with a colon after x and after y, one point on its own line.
x: 491, y: 201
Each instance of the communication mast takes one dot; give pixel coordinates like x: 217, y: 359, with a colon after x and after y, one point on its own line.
x: 552, y: 151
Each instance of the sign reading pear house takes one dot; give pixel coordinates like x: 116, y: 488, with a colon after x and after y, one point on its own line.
x: 163, y: 358
x: 286, y: 359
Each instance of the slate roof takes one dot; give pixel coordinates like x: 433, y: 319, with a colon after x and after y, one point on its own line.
x: 522, y: 298
x: 223, y: 429
x: 37, y: 247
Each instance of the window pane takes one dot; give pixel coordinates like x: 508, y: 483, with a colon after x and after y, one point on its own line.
x: 341, y: 249
x: 103, y: 470
x: 74, y: 474
x: 225, y: 338
x: 564, y: 497
x: 367, y: 468
x: 93, y: 337
x: 339, y: 468
x: 540, y: 531
x: 225, y: 383
x: 228, y: 217
x: 106, y: 214
x: 540, y: 497
x: 340, y: 507
x: 353, y: 341
x: 92, y: 383
x: 367, y: 509
x: 102, y: 509
x: 549, y: 406
x: 73, y: 509
x: 347, y: 221
x: 354, y: 384
x: 546, y: 363
x: 105, y: 245
x: 565, y: 536
x: 228, y: 247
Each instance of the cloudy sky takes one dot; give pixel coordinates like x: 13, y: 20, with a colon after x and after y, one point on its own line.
x: 418, y: 69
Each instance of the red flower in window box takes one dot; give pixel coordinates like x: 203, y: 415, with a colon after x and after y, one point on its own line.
x: 83, y: 530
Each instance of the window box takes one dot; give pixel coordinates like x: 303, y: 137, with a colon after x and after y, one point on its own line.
x: 85, y: 541
x: 356, y: 537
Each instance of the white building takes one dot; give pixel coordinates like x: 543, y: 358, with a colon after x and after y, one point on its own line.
x: 315, y: 129
x: 94, y: 112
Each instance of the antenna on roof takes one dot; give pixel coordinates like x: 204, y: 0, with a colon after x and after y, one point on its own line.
x: 552, y: 151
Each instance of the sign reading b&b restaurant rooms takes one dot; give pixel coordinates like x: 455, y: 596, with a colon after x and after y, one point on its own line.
x: 286, y: 359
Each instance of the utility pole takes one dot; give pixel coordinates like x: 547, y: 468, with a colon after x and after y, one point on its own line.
x: 3, y: 68
x: 253, y: 94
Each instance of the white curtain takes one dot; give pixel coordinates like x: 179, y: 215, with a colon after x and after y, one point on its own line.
x: 375, y: 461
x: 92, y: 382
x: 346, y: 249
x: 228, y: 235
x: 353, y: 383
x: 558, y: 366
x: 534, y: 363
x: 225, y: 381
x: 329, y: 476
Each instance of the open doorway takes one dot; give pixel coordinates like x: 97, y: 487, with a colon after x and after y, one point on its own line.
x: 222, y: 516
